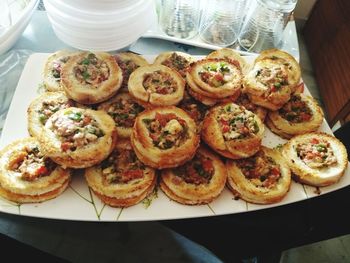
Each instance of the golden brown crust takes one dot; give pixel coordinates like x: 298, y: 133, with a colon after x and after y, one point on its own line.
x: 15, y: 187
x: 322, y: 176
x: 37, y: 118
x: 91, y: 93
x: 281, y: 126
x: 159, y: 158
x: 235, y: 148
x: 52, y: 68
x: 251, y: 190
x: 194, y: 194
x: 152, y: 98
x: 87, y: 155
x: 121, y: 194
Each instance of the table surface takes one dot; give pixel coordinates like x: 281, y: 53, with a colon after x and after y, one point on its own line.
x: 93, y: 240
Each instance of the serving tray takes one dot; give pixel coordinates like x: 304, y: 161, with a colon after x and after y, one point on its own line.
x: 79, y: 203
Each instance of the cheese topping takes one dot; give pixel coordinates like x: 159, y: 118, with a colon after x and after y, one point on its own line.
x: 217, y: 74
x: 296, y: 110
x: 316, y: 153
x: 236, y: 122
x: 272, y: 76
x: 159, y: 82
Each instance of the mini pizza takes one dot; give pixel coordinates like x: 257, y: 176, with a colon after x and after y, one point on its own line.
x: 90, y: 78
x: 243, y: 100
x: 176, y: 60
x: 283, y: 58
x: 124, y: 110
x: 215, y: 78
x: 78, y: 138
x: 301, y: 114
x: 316, y: 159
x: 164, y: 137
x: 27, y: 176
x: 129, y: 62
x: 52, y: 70
x: 264, y: 178
x: 198, y: 181
x: 43, y: 107
x: 267, y: 84
x: 121, y: 180
x: 195, y: 109
x: 156, y: 85
x: 230, y: 55
x: 232, y: 131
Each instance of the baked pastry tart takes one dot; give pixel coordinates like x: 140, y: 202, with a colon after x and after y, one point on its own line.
x: 195, y: 109
x: 283, y: 58
x: 301, y: 114
x: 78, y: 138
x: 316, y: 159
x: 52, y: 70
x: 90, y: 78
x: 267, y: 84
x: 129, y: 62
x: 164, y: 137
x: 27, y: 176
x: 156, y: 85
x: 121, y: 180
x: 243, y: 100
x: 232, y: 131
x: 198, y: 181
x: 215, y: 78
x: 176, y: 60
x: 124, y: 110
x: 230, y: 54
x: 43, y: 107
x: 264, y: 178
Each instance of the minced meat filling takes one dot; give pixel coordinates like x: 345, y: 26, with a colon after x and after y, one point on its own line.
x: 127, y: 66
x: 166, y: 130
x: 272, y: 77
x: 177, y: 62
x: 296, y: 110
x: 216, y: 74
x: 124, y: 112
x: 49, y: 107
x: 260, y: 169
x: 236, y: 122
x: 159, y: 82
x: 75, y: 129
x: 316, y: 153
x: 31, y: 163
x: 91, y: 70
x: 198, y: 171
x: 121, y: 166
x: 57, y: 67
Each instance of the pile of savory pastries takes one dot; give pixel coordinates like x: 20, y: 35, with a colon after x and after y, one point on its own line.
x: 189, y: 126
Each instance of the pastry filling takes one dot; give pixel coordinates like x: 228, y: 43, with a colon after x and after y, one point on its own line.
x: 91, y: 70
x: 296, y: 110
x: 159, y: 82
x: 261, y: 170
x: 31, y: 164
x: 75, y: 129
x: 127, y: 66
x: 216, y: 74
x: 121, y: 167
x: 274, y: 77
x: 167, y: 130
x: 244, y: 101
x: 49, y: 107
x: 177, y: 62
x: 124, y: 112
x: 196, y: 110
x: 316, y: 153
x: 198, y: 171
x: 57, y: 67
x: 237, y: 123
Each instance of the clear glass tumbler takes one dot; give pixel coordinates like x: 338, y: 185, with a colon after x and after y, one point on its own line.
x: 221, y: 21
x: 264, y: 24
x: 179, y: 18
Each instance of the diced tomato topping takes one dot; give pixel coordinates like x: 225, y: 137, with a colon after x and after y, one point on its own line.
x: 275, y: 171
x: 305, y: 116
x: 225, y: 128
x: 86, y: 120
x: 219, y: 77
x: 66, y: 146
x: 207, y: 165
x: 162, y: 91
x: 42, y: 170
x: 153, y: 136
x: 223, y: 122
x: 132, y: 174
x: 309, y: 155
x: 164, y: 118
x: 315, y: 141
x: 273, y: 88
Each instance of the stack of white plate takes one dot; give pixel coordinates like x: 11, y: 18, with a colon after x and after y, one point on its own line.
x: 103, y: 25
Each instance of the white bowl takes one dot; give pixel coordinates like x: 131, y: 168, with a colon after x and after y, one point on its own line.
x: 99, y: 6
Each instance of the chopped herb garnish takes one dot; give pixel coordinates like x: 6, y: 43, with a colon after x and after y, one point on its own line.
x: 86, y: 75
x: 147, y: 121
x: 75, y: 116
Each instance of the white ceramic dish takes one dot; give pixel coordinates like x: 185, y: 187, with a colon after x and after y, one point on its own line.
x: 79, y: 203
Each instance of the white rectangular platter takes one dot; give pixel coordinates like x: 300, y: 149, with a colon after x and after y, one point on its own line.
x: 79, y: 203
